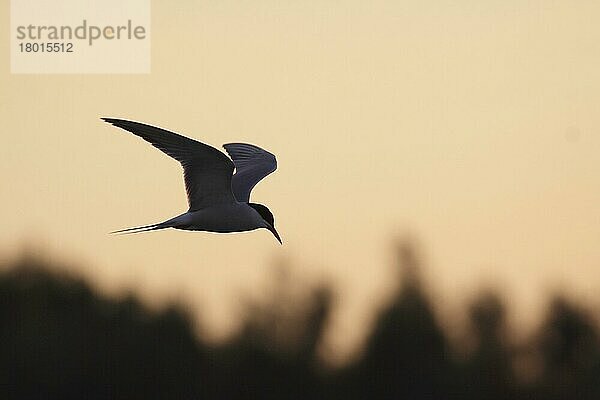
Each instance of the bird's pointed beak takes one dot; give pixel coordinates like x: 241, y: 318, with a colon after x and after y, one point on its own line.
x: 274, y: 232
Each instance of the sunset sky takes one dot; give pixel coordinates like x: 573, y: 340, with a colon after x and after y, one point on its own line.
x: 472, y: 127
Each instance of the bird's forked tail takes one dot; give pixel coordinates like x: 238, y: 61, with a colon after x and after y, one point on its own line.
x: 146, y: 228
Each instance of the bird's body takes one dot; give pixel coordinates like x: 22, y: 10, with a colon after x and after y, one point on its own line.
x: 222, y: 218
x: 210, y: 182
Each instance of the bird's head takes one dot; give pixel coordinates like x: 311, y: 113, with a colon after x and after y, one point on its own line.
x: 267, y: 216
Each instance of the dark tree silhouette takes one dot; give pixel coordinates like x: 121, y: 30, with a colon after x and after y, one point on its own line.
x: 274, y: 356
x: 488, y: 370
x: 569, y: 348
x: 59, y: 339
x: 407, y: 355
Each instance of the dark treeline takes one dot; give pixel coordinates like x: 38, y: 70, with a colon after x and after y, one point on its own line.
x: 59, y: 339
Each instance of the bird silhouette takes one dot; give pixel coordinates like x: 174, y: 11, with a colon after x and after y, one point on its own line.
x: 219, y: 200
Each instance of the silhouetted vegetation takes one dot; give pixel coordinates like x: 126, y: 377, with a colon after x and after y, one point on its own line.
x: 59, y: 339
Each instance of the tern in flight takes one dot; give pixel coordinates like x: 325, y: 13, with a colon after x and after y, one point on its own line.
x: 219, y: 200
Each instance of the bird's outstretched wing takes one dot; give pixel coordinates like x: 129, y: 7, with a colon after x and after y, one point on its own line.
x: 206, y: 170
x: 251, y: 165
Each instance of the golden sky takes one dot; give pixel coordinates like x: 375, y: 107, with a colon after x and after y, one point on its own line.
x: 472, y: 126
